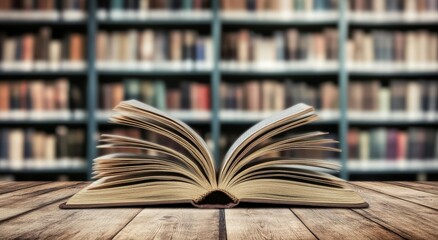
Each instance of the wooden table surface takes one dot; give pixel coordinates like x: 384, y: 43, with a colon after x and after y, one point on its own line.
x: 29, y: 210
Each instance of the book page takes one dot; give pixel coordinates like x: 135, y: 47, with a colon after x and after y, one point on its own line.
x: 136, y: 107
x: 293, y: 112
x: 148, y: 108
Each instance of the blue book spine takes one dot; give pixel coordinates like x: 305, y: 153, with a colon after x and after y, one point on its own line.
x: 200, y: 51
x: 280, y: 46
x: 185, y: 95
x: 188, y: 5
x: 318, y: 5
x: 116, y: 4
x: 251, y: 5
x: 28, y: 143
x: 4, y: 147
x: 160, y: 94
x: 132, y: 89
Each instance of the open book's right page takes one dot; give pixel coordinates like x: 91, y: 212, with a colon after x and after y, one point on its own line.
x: 254, y: 170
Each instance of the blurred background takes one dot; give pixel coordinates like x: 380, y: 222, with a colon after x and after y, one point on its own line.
x: 370, y: 68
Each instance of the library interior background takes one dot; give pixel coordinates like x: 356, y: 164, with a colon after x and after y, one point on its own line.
x: 369, y: 68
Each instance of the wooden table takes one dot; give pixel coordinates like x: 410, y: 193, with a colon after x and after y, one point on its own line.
x: 29, y: 210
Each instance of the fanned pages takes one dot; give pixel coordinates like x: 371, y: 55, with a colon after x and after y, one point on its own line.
x: 254, y: 170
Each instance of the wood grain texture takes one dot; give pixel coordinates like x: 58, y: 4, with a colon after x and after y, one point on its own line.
x: 50, y: 222
x: 328, y: 223
x: 407, y: 219
x: 408, y: 194
x: 421, y: 186
x: 173, y: 224
x: 274, y: 223
x: 398, y: 209
x: 9, y: 186
x: 433, y: 183
x: 24, y: 200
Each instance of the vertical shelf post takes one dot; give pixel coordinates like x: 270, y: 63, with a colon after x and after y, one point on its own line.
x: 215, y: 82
x: 91, y: 86
x: 343, y: 87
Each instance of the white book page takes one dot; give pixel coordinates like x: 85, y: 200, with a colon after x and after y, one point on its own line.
x: 192, y: 132
x: 292, y: 111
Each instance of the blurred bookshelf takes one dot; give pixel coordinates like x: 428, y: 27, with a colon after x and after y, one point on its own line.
x: 180, y: 49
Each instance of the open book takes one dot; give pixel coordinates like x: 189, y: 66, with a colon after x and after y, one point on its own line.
x: 252, y: 170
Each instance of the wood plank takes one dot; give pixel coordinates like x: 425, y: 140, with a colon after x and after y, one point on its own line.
x: 50, y: 222
x: 329, y: 223
x: 407, y: 219
x: 433, y: 183
x: 25, y: 200
x: 9, y: 186
x: 257, y: 223
x: 173, y: 224
x: 405, y: 193
x: 419, y: 186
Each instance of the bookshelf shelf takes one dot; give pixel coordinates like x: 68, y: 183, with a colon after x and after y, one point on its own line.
x: 403, y: 74
x: 4, y: 73
x: 39, y: 22
x: 231, y: 117
x: 254, y: 121
x: 42, y: 122
x: 266, y: 22
x: 82, y: 170
x: 132, y: 73
x: 251, y: 73
x: 189, y: 117
x: 392, y: 166
x: 391, y: 20
x: 393, y: 122
x: 186, y: 21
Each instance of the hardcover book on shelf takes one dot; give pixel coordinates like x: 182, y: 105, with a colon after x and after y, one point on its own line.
x: 392, y: 50
x: 74, y: 10
x: 40, y: 100
x: 283, y: 10
x: 39, y: 149
x: 148, y: 49
x: 393, y: 11
x: 393, y: 145
x: 186, y: 174
x: 42, y: 52
x: 120, y: 10
x: 282, y: 50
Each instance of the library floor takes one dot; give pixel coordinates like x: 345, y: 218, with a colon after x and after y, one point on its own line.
x: 29, y: 210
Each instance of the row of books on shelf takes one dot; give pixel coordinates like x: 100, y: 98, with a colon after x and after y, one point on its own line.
x: 32, y: 148
x: 242, y: 50
x: 67, y: 10
x: 393, y: 144
x: 42, y: 51
x: 58, y: 99
x: 186, y: 95
x: 155, y: 9
x: 39, y: 99
x: 274, y: 95
x: 281, y: 49
x: 408, y: 99
x: 379, y: 6
x: 393, y: 50
x: 252, y: 96
x: 152, y: 49
x: 394, y: 10
x: 285, y: 10
x: 410, y: 96
x: 73, y: 10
